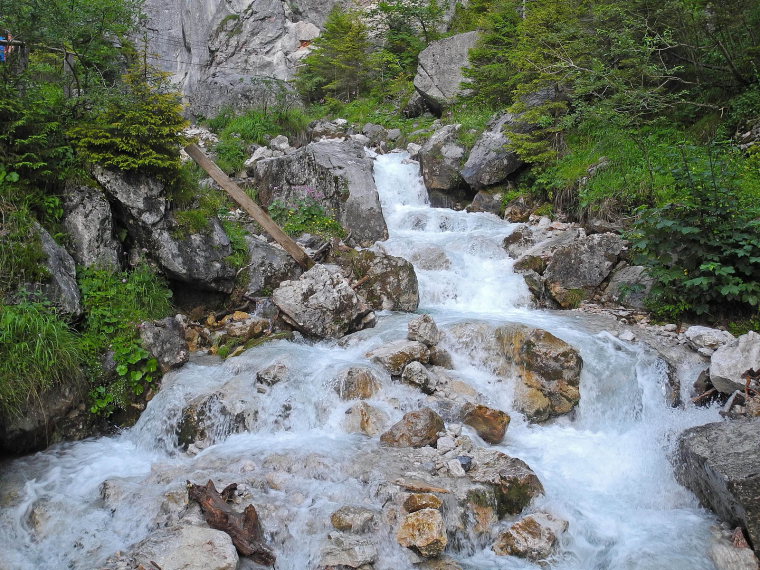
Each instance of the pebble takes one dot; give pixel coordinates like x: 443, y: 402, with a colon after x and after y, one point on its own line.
x: 445, y: 444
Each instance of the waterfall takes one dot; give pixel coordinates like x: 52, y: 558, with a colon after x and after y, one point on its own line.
x: 605, y: 469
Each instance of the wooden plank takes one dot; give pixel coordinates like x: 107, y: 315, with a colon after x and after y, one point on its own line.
x: 253, y: 209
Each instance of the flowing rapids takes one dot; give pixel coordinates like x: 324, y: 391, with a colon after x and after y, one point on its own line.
x: 606, y: 470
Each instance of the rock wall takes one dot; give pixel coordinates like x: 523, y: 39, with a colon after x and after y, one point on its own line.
x: 232, y: 52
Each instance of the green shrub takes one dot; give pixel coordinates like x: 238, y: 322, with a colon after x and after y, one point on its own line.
x: 305, y: 216
x: 115, y: 303
x: 236, y: 232
x: 704, y: 249
x: 38, y: 351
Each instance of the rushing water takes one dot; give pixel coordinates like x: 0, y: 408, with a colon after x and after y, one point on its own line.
x: 606, y: 470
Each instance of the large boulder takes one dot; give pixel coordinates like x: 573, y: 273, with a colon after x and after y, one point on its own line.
x: 490, y: 161
x: 60, y: 287
x: 545, y: 368
x: 489, y: 423
x: 89, y: 224
x: 384, y: 282
x: 718, y: 462
x: 576, y: 271
x: 321, y: 303
x: 336, y: 173
x: 441, y: 158
x: 198, y: 259
x: 270, y: 265
x: 439, y: 70
x: 732, y: 360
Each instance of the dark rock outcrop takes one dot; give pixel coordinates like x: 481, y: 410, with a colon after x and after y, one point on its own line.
x: 718, y: 462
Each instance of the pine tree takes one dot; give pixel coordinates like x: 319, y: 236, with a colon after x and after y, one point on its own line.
x: 339, y: 66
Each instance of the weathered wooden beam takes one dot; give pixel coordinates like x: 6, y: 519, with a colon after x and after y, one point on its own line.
x: 244, y: 528
x: 253, y: 209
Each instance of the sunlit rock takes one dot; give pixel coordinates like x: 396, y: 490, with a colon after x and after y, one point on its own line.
x: 424, y: 532
x: 533, y: 537
x: 415, y: 429
x: 489, y: 423
x: 394, y: 356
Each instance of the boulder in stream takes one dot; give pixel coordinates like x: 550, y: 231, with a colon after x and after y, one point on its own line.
x: 441, y: 158
x: 394, y: 356
x: 719, y: 463
x: 321, y: 303
x: 415, y: 429
x: 533, y: 537
x: 424, y: 532
x: 732, y: 360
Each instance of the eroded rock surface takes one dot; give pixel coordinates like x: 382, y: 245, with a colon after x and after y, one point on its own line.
x: 732, y: 360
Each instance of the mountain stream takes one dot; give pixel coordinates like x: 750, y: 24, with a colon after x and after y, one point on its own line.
x: 605, y: 469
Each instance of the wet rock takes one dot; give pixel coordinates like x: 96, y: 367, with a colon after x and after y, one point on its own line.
x: 547, y: 368
x: 89, y: 223
x: 441, y: 158
x: 357, y: 383
x: 347, y: 551
x: 732, y: 360
x: 338, y: 174
x: 443, y: 563
x: 180, y: 548
x: 728, y: 553
x: 706, y: 337
x: 514, y: 482
x: 384, y: 282
x: 490, y: 424
x: 365, y: 419
x: 165, y: 339
x: 416, y: 374
x: 396, y: 355
x: 415, y: 429
x: 418, y: 501
x: 423, y: 531
x: 718, y: 462
x: 272, y: 374
x: 424, y: 330
x: 211, y: 418
x: 576, y: 271
x: 60, y: 287
x: 352, y: 519
x: 270, y: 265
x: 533, y: 537
x: 439, y: 70
x: 430, y: 258
x: 441, y: 358
x: 320, y: 303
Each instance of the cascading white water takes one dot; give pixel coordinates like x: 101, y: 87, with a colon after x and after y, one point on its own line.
x: 606, y: 470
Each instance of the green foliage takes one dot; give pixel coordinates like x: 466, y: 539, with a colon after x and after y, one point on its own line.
x: 140, y: 129
x: 237, y: 233
x: 38, y: 351
x: 704, y: 250
x: 115, y: 303
x: 21, y: 255
x: 306, y: 215
x: 254, y: 126
x: 339, y: 66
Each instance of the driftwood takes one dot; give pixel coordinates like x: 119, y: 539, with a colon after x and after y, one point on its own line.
x: 244, y: 528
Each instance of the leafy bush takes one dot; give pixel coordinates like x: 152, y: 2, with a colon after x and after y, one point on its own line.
x: 703, y: 250
x: 115, y: 303
x: 38, y: 351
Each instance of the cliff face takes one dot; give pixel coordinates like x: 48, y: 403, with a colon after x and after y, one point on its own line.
x: 232, y: 52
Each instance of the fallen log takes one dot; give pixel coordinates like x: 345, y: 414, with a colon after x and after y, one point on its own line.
x: 244, y: 528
